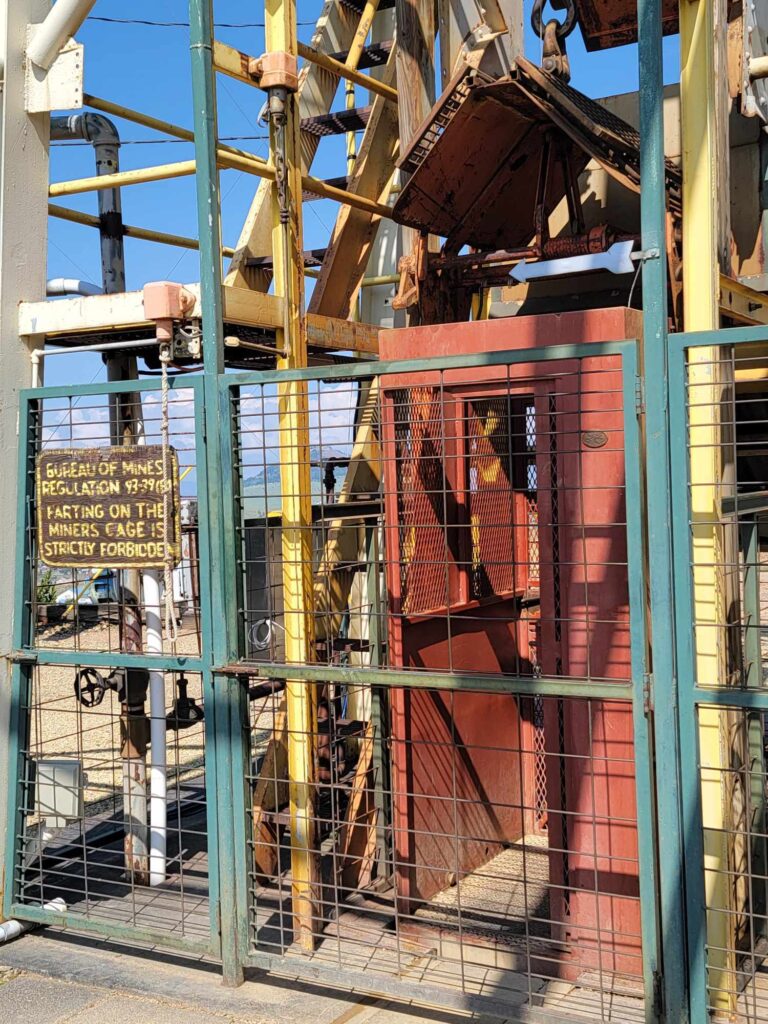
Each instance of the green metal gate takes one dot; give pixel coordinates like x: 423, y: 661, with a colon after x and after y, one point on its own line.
x: 517, y: 899
x: 718, y: 427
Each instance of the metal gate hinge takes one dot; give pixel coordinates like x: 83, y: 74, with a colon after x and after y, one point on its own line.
x: 639, y: 395
x: 24, y: 657
x: 647, y: 693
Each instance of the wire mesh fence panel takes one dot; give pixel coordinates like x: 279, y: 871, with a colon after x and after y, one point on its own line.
x: 475, y: 842
x: 721, y: 522
x: 113, y: 827
x: 431, y: 867
x: 467, y: 520
x: 91, y: 607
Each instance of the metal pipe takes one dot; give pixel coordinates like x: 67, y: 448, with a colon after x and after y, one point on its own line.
x: 351, y: 74
x: 110, y: 346
x: 131, y: 231
x: 185, y: 167
x: 12, y: 929
x: 665, y: 725
x: 138, y: 177
x: 158, y: 769
x: 71, y: 286
x: 61, y: 22
x: 226, y: 156
x: 105, y: 139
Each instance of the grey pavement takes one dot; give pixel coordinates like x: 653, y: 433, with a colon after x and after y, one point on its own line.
x: 51, y: 978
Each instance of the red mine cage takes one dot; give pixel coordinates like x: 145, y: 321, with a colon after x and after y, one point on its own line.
x: 506, y: 554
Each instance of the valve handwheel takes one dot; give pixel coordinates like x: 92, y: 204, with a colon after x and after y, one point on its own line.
x: 90, y: 687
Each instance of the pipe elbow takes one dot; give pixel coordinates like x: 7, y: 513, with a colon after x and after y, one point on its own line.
x: 94, y: 128
x: 71, y: 286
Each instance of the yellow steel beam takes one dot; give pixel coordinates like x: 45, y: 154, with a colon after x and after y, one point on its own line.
x: 131, y: 231
x: 293, y: 414
x: 704, y: 172
x: 742, y: 303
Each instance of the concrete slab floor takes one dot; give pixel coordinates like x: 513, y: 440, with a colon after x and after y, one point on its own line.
x: 54, y: 978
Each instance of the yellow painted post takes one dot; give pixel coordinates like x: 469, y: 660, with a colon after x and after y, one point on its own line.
x: 704, y: 140
x: 301, y: 701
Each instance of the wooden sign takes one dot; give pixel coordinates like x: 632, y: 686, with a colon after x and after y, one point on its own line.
x: 103, y: 507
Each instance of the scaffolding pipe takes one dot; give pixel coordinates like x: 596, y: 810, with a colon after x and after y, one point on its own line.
x: 61, y: 22
x: 226, y: 156
x: 109, y: 346
x: 131, y: 230
x: 351, y: 74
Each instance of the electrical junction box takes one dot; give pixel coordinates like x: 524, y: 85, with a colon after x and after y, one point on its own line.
x: 59, y: 786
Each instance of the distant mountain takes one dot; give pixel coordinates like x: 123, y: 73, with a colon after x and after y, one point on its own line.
x: 261, y: 491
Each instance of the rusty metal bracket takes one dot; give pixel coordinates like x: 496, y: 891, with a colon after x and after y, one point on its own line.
x: 412, y: 270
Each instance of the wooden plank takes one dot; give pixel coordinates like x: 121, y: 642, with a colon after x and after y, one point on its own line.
x: 357, y: 840
x: 270, y: 794
x: 317, y: 88
x: 341, y: 335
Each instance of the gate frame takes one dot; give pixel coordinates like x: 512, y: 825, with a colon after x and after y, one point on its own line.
x: 691, y: 695
x: 636, y: 689
x: 26, y: 657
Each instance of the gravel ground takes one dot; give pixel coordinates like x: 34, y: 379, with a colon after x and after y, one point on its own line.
x: 62, y: 728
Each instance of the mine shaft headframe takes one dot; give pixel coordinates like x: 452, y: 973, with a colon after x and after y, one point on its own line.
x: 553, y: 34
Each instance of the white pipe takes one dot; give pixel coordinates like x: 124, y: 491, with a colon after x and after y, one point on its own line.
x: 62, y: 21
x: 42, y: 353
x: 71, y: 286
x: 158, y: 781
x: 12, y: 928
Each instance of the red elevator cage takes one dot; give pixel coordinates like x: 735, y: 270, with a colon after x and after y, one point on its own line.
x: 460, y: 575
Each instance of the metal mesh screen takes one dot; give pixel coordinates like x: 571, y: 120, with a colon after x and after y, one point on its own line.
x: 88, y: 795
x: 494, y: 499
x: 430, y: 869
x: 724, y: 452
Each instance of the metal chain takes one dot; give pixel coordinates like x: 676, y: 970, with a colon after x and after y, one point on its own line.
x: 564, y: 28
x: 170, y: 617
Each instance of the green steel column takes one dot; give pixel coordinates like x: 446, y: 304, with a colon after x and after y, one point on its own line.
x: 226, y: 819
x: 665, y: 724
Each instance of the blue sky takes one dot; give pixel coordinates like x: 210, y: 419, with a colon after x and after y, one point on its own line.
x: 147, y: 68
